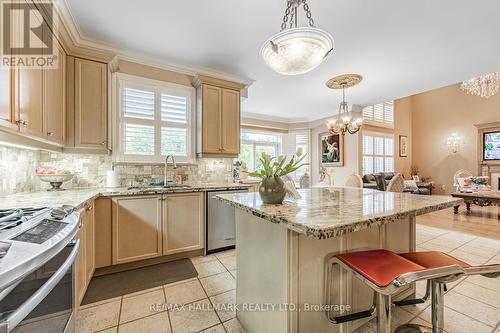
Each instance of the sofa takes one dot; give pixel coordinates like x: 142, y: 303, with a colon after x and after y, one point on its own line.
x: 370, y: 181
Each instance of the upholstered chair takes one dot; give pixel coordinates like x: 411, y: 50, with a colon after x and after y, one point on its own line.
x: 397, y: 184
x: 354, y: 180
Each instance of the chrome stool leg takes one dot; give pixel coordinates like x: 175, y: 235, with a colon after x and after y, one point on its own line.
x: 437, y: 306
x: 383, y: 305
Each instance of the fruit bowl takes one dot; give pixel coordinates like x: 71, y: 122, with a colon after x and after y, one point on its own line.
x: 55, y: 180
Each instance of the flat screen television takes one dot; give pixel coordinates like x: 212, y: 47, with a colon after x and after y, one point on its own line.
x: 491, y: 146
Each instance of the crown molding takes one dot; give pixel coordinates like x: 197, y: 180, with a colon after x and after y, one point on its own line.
x: 113, y: 53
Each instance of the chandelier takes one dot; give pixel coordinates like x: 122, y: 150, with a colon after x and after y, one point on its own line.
x: 482, y: 86
x: 297, y: 50
x: 346, y: 121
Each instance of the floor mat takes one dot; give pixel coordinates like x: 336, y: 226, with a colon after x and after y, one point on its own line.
x: 118, y: 284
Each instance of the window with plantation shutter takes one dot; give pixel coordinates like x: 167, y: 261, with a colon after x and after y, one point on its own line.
x: 381, y: 114
x: 155, y: 120
x: 378, y: 153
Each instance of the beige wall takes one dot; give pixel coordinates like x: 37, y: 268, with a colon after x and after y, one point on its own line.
x: 435, y: 116
x: 402, y: 126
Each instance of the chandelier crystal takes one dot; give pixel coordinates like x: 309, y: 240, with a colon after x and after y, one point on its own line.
x: 297, y: 50
x: 482, y: 86
x: 345, y: 121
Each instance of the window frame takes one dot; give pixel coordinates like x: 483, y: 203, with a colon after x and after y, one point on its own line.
x: 123, y: 81
x: 373, y: 155
x: 276, y: 145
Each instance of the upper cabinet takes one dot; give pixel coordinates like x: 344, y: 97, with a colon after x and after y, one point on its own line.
x: 54, y: 94
x: 90, y: 104
x: 6, y: 114
x: 218, y: 115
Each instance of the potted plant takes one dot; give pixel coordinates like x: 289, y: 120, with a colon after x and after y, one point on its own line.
x: 272, y: 187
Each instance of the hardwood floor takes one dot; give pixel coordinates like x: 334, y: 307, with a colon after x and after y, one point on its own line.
x: 481, y: 221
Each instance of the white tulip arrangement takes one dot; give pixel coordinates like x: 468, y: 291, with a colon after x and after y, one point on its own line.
x: 273, y: 167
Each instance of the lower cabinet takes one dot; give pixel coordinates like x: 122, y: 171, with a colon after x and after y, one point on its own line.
x: 136, y: 228
x: 183, y: 222
x: 84, y: 262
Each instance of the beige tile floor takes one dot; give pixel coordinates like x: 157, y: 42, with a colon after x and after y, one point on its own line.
x: 472, y: 304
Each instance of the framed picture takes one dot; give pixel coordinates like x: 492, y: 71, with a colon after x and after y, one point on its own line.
x: 331, y: 148
x: 403, y: 146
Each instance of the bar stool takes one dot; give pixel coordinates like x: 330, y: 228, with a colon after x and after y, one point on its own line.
x: 385, y: 272
x: 433, y: 259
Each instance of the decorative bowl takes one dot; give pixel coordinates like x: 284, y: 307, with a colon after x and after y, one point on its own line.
x: 56, y: 180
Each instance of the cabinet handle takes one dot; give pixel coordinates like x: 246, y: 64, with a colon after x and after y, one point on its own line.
x: 103, y: 143
x: 88, y: 208
x: 22, y: 123
x: 50, y: 133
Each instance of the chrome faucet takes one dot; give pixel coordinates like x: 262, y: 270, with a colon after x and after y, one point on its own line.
x: 165, y: 182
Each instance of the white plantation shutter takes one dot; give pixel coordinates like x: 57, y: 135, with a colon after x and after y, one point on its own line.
x: 139, y: 104
x: 155, y: 121
x: 378, y: 112
x: 174, y: 109
x: 389, y: 112
x: 378, y: 153
x: 381, y: 113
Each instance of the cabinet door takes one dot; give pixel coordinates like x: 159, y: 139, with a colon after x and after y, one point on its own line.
x: 30, y: 100
x: 183, y: 222
x: 5, y: 96
x: 29, y: 110
x: 212, y: 105
x: 90, y: 104
x: 79, y: 267
x: 89, y: 243
x: 230, y: 122
x: 136, y: 228
x: 54, y: 90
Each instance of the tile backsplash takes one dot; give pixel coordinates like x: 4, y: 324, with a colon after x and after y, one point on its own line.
x: 17, y: 170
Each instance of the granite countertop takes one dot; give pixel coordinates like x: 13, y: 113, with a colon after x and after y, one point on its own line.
x: 77, y: 197
x: 335, y: 211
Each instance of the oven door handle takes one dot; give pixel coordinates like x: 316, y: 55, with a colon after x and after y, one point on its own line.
x: 9, y: 323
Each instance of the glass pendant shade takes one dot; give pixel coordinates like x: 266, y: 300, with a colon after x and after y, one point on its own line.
x: 297, y: 50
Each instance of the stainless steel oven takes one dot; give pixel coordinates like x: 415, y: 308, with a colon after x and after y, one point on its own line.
x: 44, y: 301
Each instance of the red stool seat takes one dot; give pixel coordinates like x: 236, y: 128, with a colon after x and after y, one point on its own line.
x: 433, y: 259
x: 381, y: 267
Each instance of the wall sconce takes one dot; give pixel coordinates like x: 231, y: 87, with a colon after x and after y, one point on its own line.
x: 454, y: 142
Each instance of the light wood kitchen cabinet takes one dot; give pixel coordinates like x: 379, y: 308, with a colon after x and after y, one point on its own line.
x: 212, y: 125
x: 218, y: 115
x: 29, y: 84
x: 54, y: 95
x: 90, y: 104
x: 102, y: 228
x: 183, y: 222
x: 230, y: 116
x: 136, y: 228
x: 5, y: 96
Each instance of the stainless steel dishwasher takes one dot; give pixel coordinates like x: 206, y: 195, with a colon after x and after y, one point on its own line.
x: 221, y: 230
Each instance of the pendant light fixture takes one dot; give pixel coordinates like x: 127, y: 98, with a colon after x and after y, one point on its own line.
x: 345, y: 121
x: 297, y: 50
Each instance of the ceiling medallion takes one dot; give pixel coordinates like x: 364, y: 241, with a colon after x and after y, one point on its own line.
x: 482, y: 86
x: 345, y: 121
x: 297, y: 50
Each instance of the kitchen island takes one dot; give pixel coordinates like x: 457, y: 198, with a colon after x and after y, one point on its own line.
x: 282, y: 251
